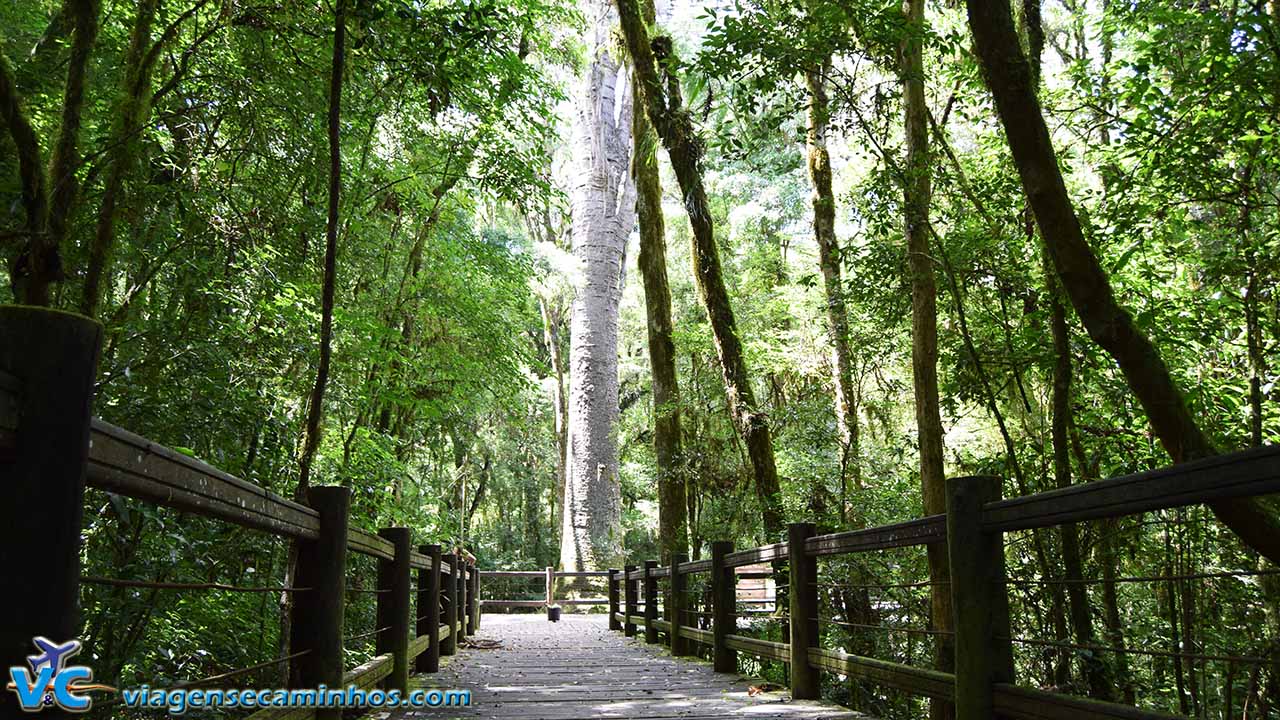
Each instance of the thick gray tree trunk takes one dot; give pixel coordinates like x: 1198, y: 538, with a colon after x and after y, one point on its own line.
x: 604, y: 213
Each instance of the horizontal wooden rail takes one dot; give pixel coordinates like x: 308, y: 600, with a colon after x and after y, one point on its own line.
x: 127, y: 464
x: 703, y: 636
x: 541, y: 603
x: 1239, y: 474
x: 918, y: 681
x: 755, y: 556
x: 913, y: 532
x: 760, y: 648
x: 694, y: 566
x: 367, y: 543
x: 1030, y: 704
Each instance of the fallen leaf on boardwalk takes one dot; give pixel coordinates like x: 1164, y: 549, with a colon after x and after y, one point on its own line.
x: 481, y: 644
x: 753, y: 690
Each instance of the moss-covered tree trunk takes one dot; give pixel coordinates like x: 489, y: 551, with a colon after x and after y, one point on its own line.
x: 673, y: 533
x: 39, y: 264
x: 665, y: 108
x: 917, y: 187
x: 1010, y: 79
x: 824, y: 231
x: 133, y: 104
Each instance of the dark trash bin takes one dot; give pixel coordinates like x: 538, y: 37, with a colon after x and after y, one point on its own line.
x: 553, y: 613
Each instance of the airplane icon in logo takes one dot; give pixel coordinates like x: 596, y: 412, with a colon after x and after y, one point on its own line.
x: 52, y: 654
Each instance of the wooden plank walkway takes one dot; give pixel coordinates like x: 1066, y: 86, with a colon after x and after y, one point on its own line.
x: 577, y: 669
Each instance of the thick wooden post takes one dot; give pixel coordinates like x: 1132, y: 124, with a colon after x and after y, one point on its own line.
x: 317, y: 620
x: 978, y: 594
x: 429, y: 610
x: 724, y: 598
x: 613, y: 600
x: 650, y: 586
x: 460, y: 625
x: 806, y: 680
x: 393, y: 608
x: 676, y: 604
x: 51, y: 360
x: 449, y: 598
x: 551, y: 586
x: 475, y: 598
x: 470, y: 607
x: 629, y: 598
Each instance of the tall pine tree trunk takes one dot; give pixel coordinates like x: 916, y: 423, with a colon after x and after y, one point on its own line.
x: 673, y: 534
x: 603, y: 215
x: 1010, y: 80
x: 664, y: 107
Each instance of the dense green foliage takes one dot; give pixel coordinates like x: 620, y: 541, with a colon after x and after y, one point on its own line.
x: 453, y: 267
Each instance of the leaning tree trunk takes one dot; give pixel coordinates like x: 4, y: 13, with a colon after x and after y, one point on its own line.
x: 603, y: 210
x: 917, y: 185
x: 1009, y: 77
x: 664, y: 107
x: 673, y: 534
x: 824, y: 231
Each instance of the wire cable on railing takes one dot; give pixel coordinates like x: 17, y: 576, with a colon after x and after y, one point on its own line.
x: 116, y: 582
x: 362, y: 636
x: 218, y: 677
x: 371, y: 592
x: 1143, y: 579
x: 877, y: 586
x: 1135, y: 651
x: 883, y: 628
x: 241, y: 671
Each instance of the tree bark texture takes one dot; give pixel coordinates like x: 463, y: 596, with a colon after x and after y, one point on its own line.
x: 824, y: 231
x: 673, y: 534
x: 603, y: 210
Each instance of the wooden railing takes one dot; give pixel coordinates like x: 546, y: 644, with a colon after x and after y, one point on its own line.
x: 983, y: 684
x: 547, y: 595
x: 50, y: 449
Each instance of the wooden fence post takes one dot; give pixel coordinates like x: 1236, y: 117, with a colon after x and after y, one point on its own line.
x: 675, y: 606
x: 978, y: 594
x: 393, y: 608
x: 460, y: 612
x: 613, y: 600
x: 449, y: 598
x: 806, y: 680
x: 475, y: 597
x: 470, y: 607
x: 650, y: 586
x: 45, y: 409
x: 629, y: 599
x: 724, y: 598
x: 429, y: 610
x: 316, y: 626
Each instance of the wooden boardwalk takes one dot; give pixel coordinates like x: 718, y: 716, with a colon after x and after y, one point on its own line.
x: 576, y: 669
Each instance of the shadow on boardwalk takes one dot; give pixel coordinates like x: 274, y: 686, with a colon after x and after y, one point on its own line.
x: 577, y: 669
